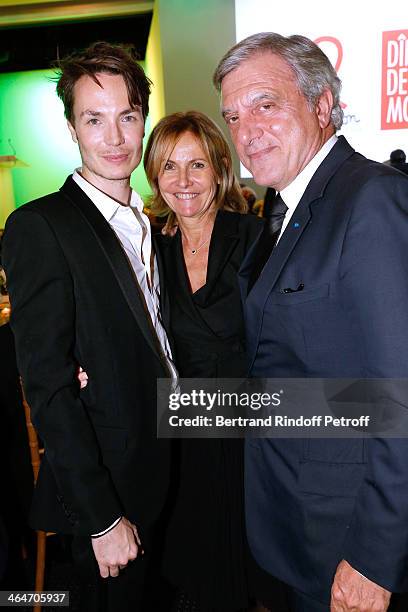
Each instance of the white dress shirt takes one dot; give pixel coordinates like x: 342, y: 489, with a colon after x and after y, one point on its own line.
x: 132, y: 227
x: 292, y: 194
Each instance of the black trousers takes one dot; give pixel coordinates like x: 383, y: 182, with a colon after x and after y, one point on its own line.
x: 138, y: 588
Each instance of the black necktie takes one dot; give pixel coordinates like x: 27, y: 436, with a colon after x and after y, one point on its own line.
x: 267, y: 239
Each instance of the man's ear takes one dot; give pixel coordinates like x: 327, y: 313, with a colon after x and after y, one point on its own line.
x: 324, y: 108
x: 72, y: 131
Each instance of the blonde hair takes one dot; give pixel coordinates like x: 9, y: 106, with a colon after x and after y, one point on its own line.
x: 163, y: 139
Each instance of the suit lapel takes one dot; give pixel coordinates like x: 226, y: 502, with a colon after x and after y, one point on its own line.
x: 224, y: 240
x: 254, y: 303
x: 161, y: 244
x: 163, y: 292
x: 117, y: 259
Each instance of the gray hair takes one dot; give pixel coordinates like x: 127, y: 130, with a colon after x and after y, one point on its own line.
x: 313, y: 70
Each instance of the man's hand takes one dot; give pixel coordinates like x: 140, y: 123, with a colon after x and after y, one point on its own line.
x: 114, y: 549
x: 352, y: 592
x: 82, y: 377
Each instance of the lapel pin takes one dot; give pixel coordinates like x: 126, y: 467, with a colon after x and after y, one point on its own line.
x: 296, y: 225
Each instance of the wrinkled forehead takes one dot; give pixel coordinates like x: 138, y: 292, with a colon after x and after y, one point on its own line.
x: 261, y: 71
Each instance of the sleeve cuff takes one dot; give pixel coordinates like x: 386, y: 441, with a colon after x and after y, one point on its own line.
x: 101, y: 533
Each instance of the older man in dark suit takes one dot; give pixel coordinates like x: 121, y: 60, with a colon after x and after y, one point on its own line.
x: 84, y: 291
x: 325, y: 295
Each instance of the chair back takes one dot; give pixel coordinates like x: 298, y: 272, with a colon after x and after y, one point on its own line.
x: 35, y: 451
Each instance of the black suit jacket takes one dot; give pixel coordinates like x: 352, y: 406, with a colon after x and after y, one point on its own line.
x: 312, y: 502
x: 207, y: 328
x: 75, y: 301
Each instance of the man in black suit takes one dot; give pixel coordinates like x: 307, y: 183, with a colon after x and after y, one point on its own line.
x: 84, y: 292
x: 325, y: 293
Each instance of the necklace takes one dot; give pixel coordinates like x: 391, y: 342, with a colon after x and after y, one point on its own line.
x: 194, y: 251
x: 200, y: 246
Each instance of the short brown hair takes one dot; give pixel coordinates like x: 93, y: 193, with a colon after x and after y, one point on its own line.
x: 162, y: 141
x: 103, y: 57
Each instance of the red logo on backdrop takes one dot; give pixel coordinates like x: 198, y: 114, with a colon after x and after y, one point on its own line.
x: 339, y: 54
x: 394, y: 90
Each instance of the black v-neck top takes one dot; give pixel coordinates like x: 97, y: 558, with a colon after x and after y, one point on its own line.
x: 205, y: 553
x: 207, y: 326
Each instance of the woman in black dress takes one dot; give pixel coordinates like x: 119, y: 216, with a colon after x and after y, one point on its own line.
x: 189, y: 167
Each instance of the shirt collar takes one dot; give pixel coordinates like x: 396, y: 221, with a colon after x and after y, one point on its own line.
x: 292, y: 194
x: 106, y: 205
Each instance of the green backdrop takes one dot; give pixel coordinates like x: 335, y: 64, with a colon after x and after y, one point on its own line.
x: 32, y: 119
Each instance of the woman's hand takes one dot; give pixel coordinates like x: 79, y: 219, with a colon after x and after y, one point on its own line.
x: 82, y: 377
